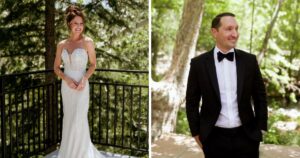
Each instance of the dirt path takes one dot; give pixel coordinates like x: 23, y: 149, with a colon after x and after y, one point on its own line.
x: 182, y: 146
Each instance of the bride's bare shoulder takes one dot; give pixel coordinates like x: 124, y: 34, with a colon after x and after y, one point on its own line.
x: 88, y: 42
x: 62, y: 43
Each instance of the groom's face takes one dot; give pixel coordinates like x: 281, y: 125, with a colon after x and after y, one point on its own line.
x: 226, y: 35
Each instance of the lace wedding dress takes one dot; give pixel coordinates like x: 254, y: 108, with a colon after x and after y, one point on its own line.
x: 76, y: 141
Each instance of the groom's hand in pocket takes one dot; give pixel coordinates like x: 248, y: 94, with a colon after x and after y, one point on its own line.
x: 197, y: 139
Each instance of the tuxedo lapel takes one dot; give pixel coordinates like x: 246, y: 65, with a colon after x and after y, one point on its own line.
x: 240, y: 70
x: 210, y: 63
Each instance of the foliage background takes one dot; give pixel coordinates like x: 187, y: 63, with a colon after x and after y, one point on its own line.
x: 280, y: 64
x: 119, y: 30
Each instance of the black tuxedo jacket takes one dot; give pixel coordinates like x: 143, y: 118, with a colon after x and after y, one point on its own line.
x: 203, y: 84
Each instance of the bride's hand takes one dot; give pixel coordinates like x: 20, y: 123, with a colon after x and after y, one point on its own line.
x: 82, y: 83
x: 71, y: 83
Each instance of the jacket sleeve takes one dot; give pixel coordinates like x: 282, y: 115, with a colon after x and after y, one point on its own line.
x: 193, y: 96
x: 259, y: 98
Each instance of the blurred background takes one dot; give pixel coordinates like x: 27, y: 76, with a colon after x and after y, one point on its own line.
x: 117, y: 28
x: 30, y: 98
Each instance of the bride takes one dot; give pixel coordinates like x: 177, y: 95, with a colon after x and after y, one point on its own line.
x: 75, y: 52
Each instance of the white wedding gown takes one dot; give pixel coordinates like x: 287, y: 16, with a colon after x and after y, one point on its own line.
x: 76, y: 141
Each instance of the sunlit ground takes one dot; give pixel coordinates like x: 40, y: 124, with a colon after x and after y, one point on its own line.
x: 183, y: 146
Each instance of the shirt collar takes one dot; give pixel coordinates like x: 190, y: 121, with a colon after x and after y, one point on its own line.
x: 216, y: 50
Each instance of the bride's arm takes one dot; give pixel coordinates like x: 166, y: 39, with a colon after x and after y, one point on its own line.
x: 92, y: 66
x: 57, y: 62
x: 92, y: 58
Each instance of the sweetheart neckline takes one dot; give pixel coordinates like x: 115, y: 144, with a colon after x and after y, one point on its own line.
x: 73, y: 50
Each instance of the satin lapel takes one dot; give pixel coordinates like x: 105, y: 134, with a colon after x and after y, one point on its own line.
x: 210, y: 63
x: 240, y: 70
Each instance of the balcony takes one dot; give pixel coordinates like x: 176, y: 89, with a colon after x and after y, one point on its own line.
x: 31, y: 113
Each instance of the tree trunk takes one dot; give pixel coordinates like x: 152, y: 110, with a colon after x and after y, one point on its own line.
x: 252, y: 22
x: 49, y: 34
x: 263, y: 50
x: 156, y: 39
x: 293, y: 53
x: 52, y: 107
x: 294, y: 39
x: 169, y: 94
x: 154, y: 53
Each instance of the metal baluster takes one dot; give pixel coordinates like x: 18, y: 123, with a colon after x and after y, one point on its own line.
x: 131, y: 122
x: 34, y: 114
x: 123, y: 111
x: 22, y: 122
x: 107, y: 112
x: 17, y: 120
x: 28, y: 115
x: 44, y: 119
x: 39, y: 119
x: 139, y: 117
x: 100, y: 111
x: 115, y: 115
x: 3, y: 124
x: 10, y: 125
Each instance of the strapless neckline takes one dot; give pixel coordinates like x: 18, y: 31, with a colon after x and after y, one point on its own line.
x: 73, y: 50
x: 78, y: 56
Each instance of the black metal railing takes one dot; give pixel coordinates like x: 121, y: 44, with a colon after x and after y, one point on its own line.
x: 31, y: 112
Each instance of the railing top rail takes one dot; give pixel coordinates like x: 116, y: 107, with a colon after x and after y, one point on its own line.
x: 25, y: 73
x: 46, y: 71
x: 122, y: 70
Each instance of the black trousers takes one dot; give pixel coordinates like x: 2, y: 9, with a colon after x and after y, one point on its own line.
x: 230, y: 143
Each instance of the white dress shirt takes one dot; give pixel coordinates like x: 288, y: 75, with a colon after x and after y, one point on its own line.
x: 227, y: 80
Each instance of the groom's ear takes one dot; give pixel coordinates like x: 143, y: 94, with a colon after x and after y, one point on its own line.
x: 214, y: 32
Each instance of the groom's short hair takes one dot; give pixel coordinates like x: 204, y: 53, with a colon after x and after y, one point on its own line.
x: 216, y: 22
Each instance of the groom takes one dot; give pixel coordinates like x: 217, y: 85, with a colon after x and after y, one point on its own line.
x: 233, y: 111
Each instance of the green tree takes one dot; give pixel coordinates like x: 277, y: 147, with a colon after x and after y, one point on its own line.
x: 168, y: 93
x: 119, y: 29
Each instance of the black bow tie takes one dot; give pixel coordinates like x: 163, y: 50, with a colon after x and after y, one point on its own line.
x: 228, y: 56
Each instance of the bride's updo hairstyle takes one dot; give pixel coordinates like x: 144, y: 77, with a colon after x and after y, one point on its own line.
x: 71, y: 12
